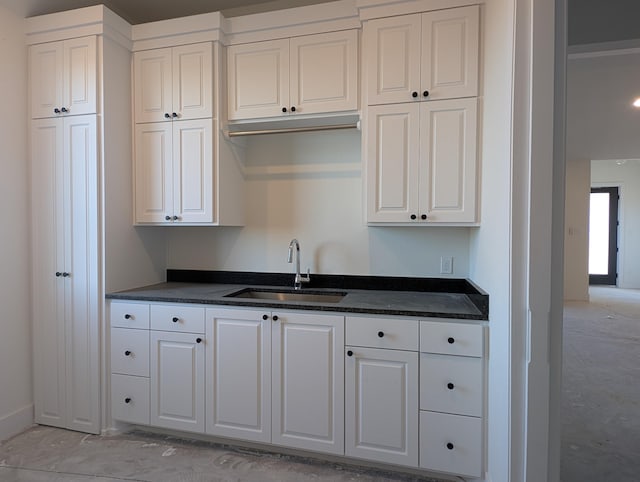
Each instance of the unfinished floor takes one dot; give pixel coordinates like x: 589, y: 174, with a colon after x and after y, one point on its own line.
x: 600, y: 406
x: 601, y: 388
x: 46, y: 454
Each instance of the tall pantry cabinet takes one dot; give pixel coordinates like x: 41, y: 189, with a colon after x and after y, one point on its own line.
x: 70, y: 101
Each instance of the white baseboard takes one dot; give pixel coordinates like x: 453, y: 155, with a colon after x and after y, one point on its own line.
x: 16, y: 422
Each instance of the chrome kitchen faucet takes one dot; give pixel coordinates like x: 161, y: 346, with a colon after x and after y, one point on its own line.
x: 297, y: 284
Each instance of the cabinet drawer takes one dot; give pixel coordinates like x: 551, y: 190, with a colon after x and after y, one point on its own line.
x: 382, y: 333
x: 451, y: 384
x: 451, y: 338
x: 130, y: 399
x: 183, y: 318
x: 130, y: 352
x: 451, y: 443
x: 130, y: 315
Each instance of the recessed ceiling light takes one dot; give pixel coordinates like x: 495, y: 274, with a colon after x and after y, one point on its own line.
x: 636, y: 103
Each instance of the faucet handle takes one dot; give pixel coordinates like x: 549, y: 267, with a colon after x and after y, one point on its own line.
x: 307, y: 277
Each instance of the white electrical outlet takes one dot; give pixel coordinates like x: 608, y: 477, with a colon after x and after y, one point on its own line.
x: 446, y: 265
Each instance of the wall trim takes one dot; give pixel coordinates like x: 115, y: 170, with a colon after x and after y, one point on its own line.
x: 16, y: 422
x: 81, y: 22
x: 370, y: 9
x: 604, y: 49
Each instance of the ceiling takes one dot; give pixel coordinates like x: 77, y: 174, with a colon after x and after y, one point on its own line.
x: 590, y: 21
x: 598, y: 21
x: 142, y: 11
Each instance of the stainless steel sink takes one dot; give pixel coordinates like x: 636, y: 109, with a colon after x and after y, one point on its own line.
x: 284, y: 295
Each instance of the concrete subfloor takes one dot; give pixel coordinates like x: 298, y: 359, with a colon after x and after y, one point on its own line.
x: 46, y: 454
x: 601, y: 388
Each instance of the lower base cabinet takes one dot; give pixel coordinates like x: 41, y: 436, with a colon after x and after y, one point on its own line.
x: 398, y: 391
x: 130, y: 398
x: 451, y: 443
x: 308, y: 381
x: 177, y: 381
x: 381, y: 399
x: 238, y: 363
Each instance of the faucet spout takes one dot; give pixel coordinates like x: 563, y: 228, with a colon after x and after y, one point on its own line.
x: 299, y: 279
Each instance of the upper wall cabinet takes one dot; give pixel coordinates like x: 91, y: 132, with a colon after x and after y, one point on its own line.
x: 428, y: 56
x: 302, y: 75
x: 422, y: 162
x: 63, y: 78
x: 174, y: 83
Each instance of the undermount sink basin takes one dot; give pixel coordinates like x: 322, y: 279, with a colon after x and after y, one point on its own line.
x: 284, y: 295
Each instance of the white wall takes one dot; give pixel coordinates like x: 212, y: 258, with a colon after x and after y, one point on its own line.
x: 601, y: 124
x: 576, y: 231
x: 16, y: 409
x: 309, y: 186
x: 627, y: 177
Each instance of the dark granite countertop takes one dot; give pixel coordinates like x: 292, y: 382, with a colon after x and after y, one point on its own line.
x: 424, y: 297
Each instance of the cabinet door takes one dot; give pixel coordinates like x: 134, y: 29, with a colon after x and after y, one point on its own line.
x: 239, y: 382
x: 450, y: 45
x: 392, y: 57
x: 47, y: 208
x: 46, y: 78
x: 63, y: 75
x: 324, y: 72
x: 152, y: 85
x: 381, y: 399
x: 448, y: 160
x: 80, y: 73
x: 154, y: 173
x: 82, y: 303
x: 308, y: 382
x: 258, y: 79
x: 193, y: 171
x: 65, y: 281
x: 392, y: 156
x: 193, y: 81
x: 177, y: 380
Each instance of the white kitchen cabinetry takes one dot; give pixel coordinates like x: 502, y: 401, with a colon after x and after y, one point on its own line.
x: 381, y: 390
x: 177, y: 380
x: 65, y: 266
x: 174, y: 135
x: 186, y: 173
x: 451, y: 397
x: 428, y: 56
x: 63, y: 78
x: 177, y: 367
x: 130, y: 362
x: 238, y: 361
x: 174, y: 83
x: 308, y: 381
x: 174, y: 172
x: 421, y: 162
x: 303, y: 75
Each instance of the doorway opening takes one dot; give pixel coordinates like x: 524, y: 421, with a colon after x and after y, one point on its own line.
x: 603, y: 236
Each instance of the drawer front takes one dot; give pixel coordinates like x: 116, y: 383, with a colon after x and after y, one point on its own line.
x: 130, y: 315
x: 451, y: 338
x: 451, y: 443
x: 130, y: 352
x: 184, y: 318
x: 130, y: 399
x: 382, y: 333
x: 451, y: 384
